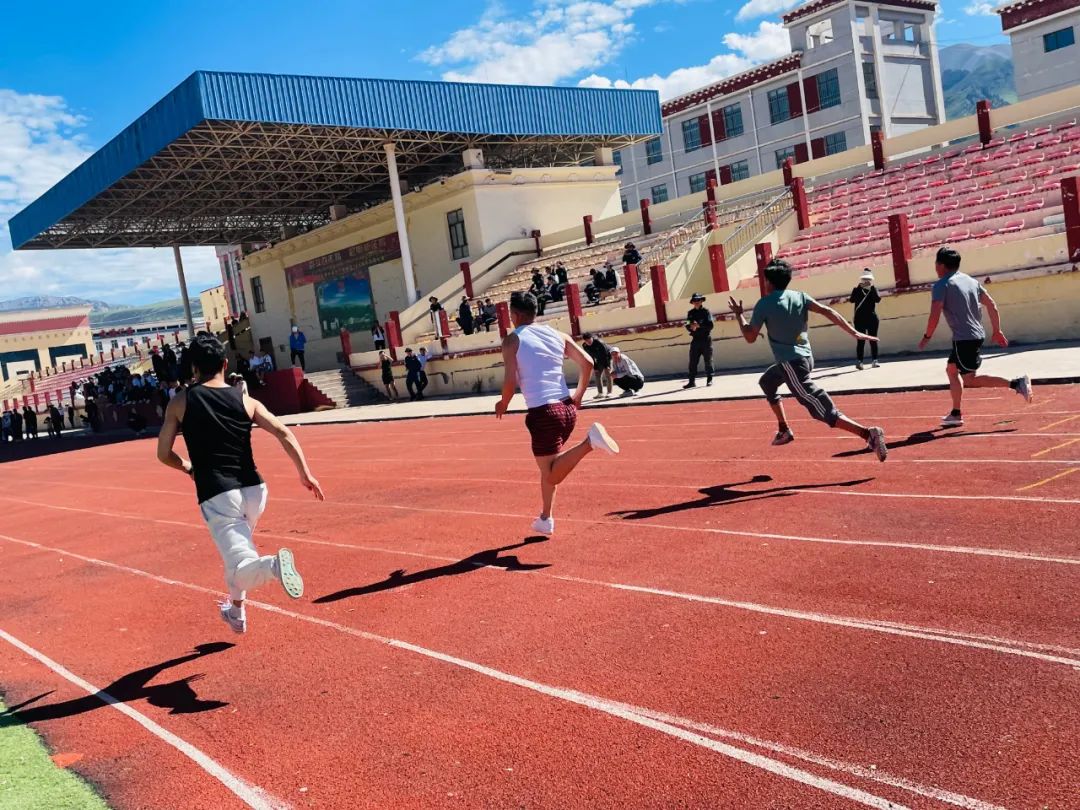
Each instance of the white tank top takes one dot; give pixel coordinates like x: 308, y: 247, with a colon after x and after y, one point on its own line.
x: 540, y: 365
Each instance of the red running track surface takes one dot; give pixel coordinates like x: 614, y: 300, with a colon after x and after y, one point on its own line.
x: 718, y: 623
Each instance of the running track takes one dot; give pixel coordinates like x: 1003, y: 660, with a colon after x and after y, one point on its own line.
x: 718, y: 623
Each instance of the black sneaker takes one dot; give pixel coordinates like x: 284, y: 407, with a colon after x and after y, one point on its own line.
x: 708, y: 382
x: 690, y: 385
x: 783, y: 437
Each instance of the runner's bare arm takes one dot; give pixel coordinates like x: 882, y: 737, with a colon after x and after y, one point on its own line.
x: 584, y: 363
x: 274, y: 426
x: 935, y: 316
x: 995, y: 319
x: 509, y: 386
x: 749, y: 333
x: 834, y: 316
x: 174, y: 415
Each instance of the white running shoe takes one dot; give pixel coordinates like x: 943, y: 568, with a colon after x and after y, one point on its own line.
x: 949, y: 420
x: 600, y: 396
x: 233, y: 616
x: 783, y: 437
x: 876, y: 442
x: 858, y: 366
x: 1024, y: 389
x: 544, y: 526
x: 288, y: 576
x: 601, y: 440
x: 876, y: 364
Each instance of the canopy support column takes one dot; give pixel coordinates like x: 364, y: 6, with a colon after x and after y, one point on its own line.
x: 183, y: 290
x: 399, y: 217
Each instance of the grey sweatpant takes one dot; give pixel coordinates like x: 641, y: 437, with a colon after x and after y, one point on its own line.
x: 796, y: 375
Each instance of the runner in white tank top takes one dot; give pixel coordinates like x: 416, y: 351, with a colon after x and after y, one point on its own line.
x: 533, y: 356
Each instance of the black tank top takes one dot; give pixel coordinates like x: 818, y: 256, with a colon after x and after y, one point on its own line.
x: 217, y: 431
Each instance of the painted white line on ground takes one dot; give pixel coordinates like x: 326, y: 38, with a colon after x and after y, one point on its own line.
x: 926, y: 496
x: 253, y: 796
x: 635, y: 715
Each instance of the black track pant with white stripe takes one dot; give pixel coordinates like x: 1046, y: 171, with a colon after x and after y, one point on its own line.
x: 796, y: 375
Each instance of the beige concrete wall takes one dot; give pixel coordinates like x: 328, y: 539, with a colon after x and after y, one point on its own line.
x: 41, y: 340
x: 215, y: 307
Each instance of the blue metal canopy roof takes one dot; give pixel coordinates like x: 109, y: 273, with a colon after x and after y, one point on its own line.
x: 229, y: 157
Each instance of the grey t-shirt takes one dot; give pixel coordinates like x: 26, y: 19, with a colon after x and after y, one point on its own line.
x: 963, y: 312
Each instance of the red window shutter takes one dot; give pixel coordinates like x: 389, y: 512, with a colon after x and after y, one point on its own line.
x: 703, y: 128
x: 801, y: 154
x: 810, y: 88
x: 725, y: 175
x: 817, y: 147
x: 711, y: 175
x: 718, y: 125
x: 794, y: 100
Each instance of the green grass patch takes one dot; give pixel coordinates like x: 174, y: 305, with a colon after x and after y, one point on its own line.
x: 30, y: 781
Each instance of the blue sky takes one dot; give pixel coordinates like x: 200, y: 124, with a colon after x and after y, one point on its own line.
x: 72, y: 74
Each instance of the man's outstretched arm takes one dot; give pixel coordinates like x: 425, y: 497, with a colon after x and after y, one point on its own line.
x: 274, y: 426
x: 838, y: 319
x: 749, y: 333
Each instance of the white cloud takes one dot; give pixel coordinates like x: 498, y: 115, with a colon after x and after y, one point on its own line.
x: 765, y: 8
x: 41, y: 140
x: 980, y: 8
x: 555, y: 41
x: 769, y: 42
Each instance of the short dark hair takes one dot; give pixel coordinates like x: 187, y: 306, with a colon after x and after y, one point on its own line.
x: 207, y: 355
x: 778, y: 273
x: 949, y: 258
x: 524, y: 302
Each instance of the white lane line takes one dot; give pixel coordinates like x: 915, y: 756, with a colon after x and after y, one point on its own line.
x: 596, y: 703
x: 252, y: 795
x: 926, y: 496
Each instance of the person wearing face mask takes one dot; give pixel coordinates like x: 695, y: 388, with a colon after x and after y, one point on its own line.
x: 865, y: 298
x: 297, y: 342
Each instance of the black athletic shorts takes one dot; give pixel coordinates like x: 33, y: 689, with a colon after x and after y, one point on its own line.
x: 965, y: 355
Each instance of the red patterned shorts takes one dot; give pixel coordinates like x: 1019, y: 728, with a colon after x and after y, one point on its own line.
x: 550, y: 426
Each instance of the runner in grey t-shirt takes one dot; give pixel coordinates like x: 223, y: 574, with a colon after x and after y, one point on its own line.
x: 961, y: 299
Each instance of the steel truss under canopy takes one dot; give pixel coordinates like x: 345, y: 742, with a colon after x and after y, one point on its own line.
x: 247, y: 155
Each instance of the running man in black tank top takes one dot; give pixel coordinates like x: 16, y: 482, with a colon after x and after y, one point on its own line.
x: 216, y: 420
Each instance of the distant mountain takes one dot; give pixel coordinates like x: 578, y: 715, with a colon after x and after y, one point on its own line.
x: 970, y: 73
x: 162, y: 312
x: 51, y: 302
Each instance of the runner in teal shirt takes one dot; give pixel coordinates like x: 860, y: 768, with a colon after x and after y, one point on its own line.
x: 784, y: 314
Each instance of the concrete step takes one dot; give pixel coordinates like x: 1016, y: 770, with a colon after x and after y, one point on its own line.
x: 344, y: 388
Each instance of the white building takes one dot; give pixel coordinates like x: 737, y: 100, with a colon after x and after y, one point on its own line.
x: 855, y: 67
x: 1044, y: 50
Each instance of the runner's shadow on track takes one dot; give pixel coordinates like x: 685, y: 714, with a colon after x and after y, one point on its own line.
x: 726, y: 493
x: 924, y: 437
x: 178, y: 696
x: 481, y: 559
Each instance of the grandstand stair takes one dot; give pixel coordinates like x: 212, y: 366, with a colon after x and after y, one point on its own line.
x: 344, y: 388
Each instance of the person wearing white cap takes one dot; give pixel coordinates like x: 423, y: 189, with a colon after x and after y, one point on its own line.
x: 865, y: 298
x: 625, y: 373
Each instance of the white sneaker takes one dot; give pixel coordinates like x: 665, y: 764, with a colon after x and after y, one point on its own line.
x: 287, y: 575
x: 544, y: 527
x: 1024, y: 389
x: 952, y: 421
x: 876, y: 364
x: 600, y: 440
x: 783, y: 437
x: 876, y: 442
x: 233, y: 616
x: 859, y: 366
x: 600, y: 396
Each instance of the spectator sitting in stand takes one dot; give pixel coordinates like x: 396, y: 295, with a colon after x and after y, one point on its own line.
x: 561, y: 273
x: 491, y: 314
x: 611, y: 278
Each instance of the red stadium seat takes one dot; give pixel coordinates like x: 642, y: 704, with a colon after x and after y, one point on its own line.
x: 1068, y: 168
x: 997, y: 195
x: 958, y: 236
x: 1033, y: 204
x: 978, y: 216
x: 985, y: 233
x: 945, y: 192
x: 1065, y: 125
x: 948, y: 205
x: 925, y: 211
x: 1034, y: 158
x: 1040, y: 172
x: 1045, y: 130
x: 1053, y: 140
x: 1028, y: 146
x: 953, y: 220
x: 1018, y: 136
x: 1012, y: 226
x: 971, y: 149
x: 1003, y: 210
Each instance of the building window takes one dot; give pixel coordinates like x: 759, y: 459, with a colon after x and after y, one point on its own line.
x: 617, y: 157
x: 784, y: 154
x: 257, y: 294
x: 828, y: 89
x: 653, y: 152
x: 740, y: 170
x: 625, y: 207
x: 837, y: 142
x: 869, y: 79
x: 659, y: 193
x: 733, y: 126
x: 1058, y: 39
x: 697, y: 182
x: 459, y: 242
x: 691, y: 135
x: 778, y: 106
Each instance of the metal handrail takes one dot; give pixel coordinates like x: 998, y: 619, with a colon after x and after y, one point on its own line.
x: 750, y: 231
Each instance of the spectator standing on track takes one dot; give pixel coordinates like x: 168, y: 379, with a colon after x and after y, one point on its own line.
x: 412, y: 376
x: 56, y: 421
x: 216, y: 420
x: 16, y: 425
x: 387, y: 368
x: 423, y: 357
x: 6, y: 429
x: 379, y: 336
x: 158, y: 363
x: 699, y: 323
x: 533, y: 356
x: 169, y: 356
x: 297, y: 342
x: 465, y: 316
x: 71, y: 417
x: 30, y: 421
x: 626, y: 373
x: 601, y: 358
x: 865, y: 298
x: 961, y: 298
x: 785, y: 313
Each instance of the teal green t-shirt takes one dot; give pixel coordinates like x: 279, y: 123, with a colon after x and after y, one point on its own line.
x: 784, y: 314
